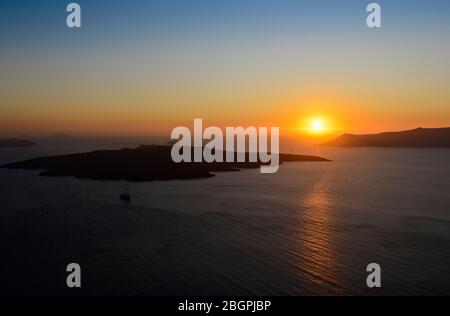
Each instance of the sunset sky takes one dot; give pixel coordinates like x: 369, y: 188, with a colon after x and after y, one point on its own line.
x: 144, y: 67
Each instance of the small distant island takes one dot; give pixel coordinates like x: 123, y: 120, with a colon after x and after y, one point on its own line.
x: 420, y: 137
x: 144, y: 163
x: 15, y: 143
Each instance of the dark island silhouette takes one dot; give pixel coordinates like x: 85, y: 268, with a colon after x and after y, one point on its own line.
x: 420, y: 137
x: 144, y: 163
x: 15, y: 143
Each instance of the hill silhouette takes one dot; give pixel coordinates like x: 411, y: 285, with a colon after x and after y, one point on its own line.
x: 420, y: 137
x: 144, y: 163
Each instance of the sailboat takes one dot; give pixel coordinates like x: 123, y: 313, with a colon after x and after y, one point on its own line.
x: 125, y: 195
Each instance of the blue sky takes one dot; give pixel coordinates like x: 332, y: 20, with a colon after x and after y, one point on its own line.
x: 119, y: 21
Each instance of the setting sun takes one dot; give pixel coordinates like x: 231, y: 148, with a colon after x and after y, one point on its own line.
x: 317, y: 126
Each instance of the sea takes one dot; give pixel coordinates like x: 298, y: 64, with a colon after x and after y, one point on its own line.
x: 310, y: 229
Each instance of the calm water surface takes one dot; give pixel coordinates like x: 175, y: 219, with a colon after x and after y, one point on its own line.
x: 311, y: 229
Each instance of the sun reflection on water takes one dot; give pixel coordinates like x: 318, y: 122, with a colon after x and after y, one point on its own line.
x: 316, y: 239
